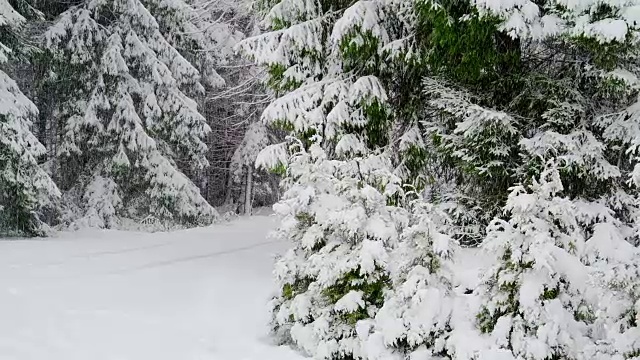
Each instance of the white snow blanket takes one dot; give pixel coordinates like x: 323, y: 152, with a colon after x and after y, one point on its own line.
x: 112, y: 295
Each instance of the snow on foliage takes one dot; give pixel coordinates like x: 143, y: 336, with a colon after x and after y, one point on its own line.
x: 337, y: 272
x: 26, y: 187
x: 417, y: 314
x: 137, y: 125
x: 524, y: 138
x: 553, y: 293
x: 102, y: 201
x: 342, y: 202
x: 272, y: 156
x: 527, y: 19
x: 255, y: 140
x: 537, y: 304
x: 468, y: 140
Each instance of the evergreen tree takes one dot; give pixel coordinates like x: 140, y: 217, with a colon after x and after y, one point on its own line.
x: 26, y: 189
x: 342, y: 194
x: 556, y: 291
x: 419, y: 310
x: 538, y: 305
x: 536, y: 95
x: 244, y: 158
x: 124, y: 110
x: 510, y: 85
x: 335, y: 277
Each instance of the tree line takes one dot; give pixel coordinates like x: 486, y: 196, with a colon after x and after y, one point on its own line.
x: 127, y: 110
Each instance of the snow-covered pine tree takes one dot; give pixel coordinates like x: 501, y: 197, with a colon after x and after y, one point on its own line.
x: 416, y: 318
x: 470, y: 141
x: 26, y: 189
x: 537, y: 304
x: 256, y: 138
x: 189, y: 26
x: 120, y: 101
x: 479, y: 144
x: 341, y: 207
x: 535, y: 80
x: 335, y: 277
x: 558, y: 248
x: 615, y: 267
x: 558, y: 291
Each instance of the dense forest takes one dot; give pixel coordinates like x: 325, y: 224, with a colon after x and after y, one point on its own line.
x: 117, y: 113
x: 390, y: 134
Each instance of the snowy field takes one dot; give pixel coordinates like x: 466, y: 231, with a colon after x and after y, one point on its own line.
x: 108, y: 295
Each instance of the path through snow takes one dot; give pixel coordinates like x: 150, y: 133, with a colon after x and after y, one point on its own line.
x: 108, y: 295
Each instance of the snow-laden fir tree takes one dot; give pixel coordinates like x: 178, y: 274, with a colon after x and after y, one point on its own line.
x: 344, y: 198
x: 555, y: 74
x: 538, y: 306
x: 335, y: 277
x: 25, y: 188
x: 614, y: 264
x: 571, y: 83
x: 121, y: 99
x: 557, y: 291
x: 479, y: 145
x: 418, y: 313
x: 256, y: 138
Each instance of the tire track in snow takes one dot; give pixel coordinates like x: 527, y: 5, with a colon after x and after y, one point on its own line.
x: 157, y: 264
x: 99, y: 254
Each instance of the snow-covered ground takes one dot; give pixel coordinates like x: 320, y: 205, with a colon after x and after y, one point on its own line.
x: 107, y: 295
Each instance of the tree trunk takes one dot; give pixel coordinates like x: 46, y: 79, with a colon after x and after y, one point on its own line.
x: 248, y: 191
x: 227, y: 197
